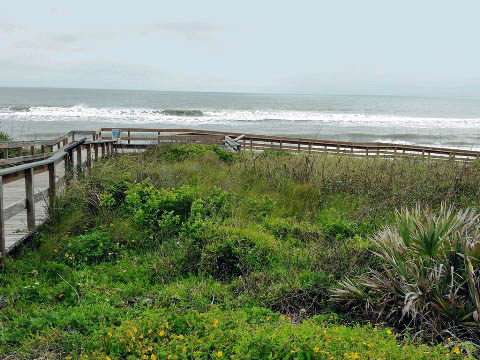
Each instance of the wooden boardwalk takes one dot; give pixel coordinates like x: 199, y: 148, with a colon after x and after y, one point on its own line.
x: 16, y: 227
x: 25, y: 189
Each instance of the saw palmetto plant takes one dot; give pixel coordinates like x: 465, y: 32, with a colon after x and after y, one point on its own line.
x: 428, y: 277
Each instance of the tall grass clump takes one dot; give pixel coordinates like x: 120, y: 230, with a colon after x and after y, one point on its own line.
x: 428, y: 277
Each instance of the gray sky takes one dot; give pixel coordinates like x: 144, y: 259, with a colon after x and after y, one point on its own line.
x: 421, y: 47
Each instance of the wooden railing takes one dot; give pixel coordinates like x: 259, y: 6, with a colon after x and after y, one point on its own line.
x: 140, y: 138
x: 28, y: 172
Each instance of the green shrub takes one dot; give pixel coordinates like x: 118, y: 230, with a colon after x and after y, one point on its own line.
x: 428, y: 275
x: 334, y: 227
x: 91, y: 248
x: 285, y: 228
x: 258, y: 207
x: 159, y: 212
x: 181, y: 152
x: 235, y: 252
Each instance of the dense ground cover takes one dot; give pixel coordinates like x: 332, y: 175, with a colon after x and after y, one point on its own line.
x: 191, y: 252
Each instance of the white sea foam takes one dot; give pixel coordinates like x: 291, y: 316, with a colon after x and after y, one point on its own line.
x: 146, y: 116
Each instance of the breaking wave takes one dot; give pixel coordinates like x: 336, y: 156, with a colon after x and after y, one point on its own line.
x: 186, y: 116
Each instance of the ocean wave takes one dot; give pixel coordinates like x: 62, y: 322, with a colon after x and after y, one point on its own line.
x: 187, y: 116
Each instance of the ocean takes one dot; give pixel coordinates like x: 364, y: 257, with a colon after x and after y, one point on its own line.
x: 40, y: 113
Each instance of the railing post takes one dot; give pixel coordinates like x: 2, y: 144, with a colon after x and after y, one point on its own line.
x: 79, y: 159
x: 32, y: 149
x: 158, y: 139
x: 102, y: 146
x: 95, y: 148
x: 19, y: 151
x: 128, y: 141
x: 51, y: 183
x: 5, y: 153
x: 89, y: 156
x: 68, y: 166
x: 3, y: 249
x: 30, y: 199
x: 42, y: 149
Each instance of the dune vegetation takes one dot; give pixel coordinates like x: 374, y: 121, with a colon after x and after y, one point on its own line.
x: 189, y: 252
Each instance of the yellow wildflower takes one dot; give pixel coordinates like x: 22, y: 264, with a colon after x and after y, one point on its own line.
x: 140, y: 336
x: 180, y: 337
x: 166, y: 324
x: 389, y: 332
x: 68, y: 358
x: 149, y: 348
x: 161, y: 333
x: 150, y: 331
x: 316, y: 349
x: 215, y: 323
x: 108, y: 358
x: 456, y: 351
x: 354, y: 356
x: 134, y: 329
x: 109, y: 334
x: 219, y: 354
x: 153, y: 357
x: 370, y: 345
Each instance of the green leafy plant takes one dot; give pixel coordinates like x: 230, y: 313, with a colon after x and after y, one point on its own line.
x: 428, y: 276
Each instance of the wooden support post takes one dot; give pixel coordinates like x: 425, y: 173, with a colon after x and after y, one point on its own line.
x: 251, y: 145
x: 30, y: 199
x: 32, y: 149
x: 281, y: 143
x: 42, y: 149
x: 65, y: 142
x: 158, y: 139
x: 309, y: 148
x: 338, y: 149
x: 68, y: 166
x: 3, y: 249
x: 102, y: 146
x: 128, y: 140
x: 366, y: 151
x: 5, y: 153
x: 51, y: 183
x: 89, y: 156
x: 79, y: 159
x: 298, y: 147
x: 95, y: 149
x: 73, y: 137
x: 19, y: 151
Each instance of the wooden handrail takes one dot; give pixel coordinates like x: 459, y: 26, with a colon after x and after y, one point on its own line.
x: 302, y: 144
x: 28, y: 171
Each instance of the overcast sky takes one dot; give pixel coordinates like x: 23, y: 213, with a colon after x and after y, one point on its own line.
x: 407, y: 47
